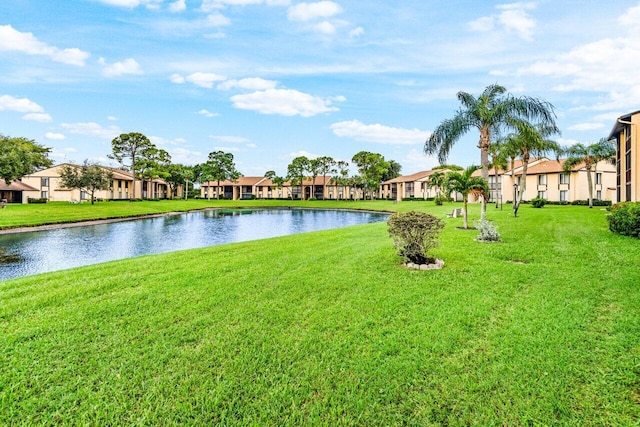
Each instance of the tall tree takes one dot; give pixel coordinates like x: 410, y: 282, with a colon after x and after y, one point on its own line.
x: 590, y: 155
x: 327, y: 165
x: 297, y: 172
x: 220, y: 167
x: 393, y: 171
x: 465, y: 184
x: 493, y: 110
x: 130, y: 146
x: 341, y: 175
x: 529, y: 141
x: 20, y: 157
x: 315, y: 169
x: 89, y: 177
x: 498, y: 156
x: 372, y: 167
x: 153, y: 165
x: 176, y: 175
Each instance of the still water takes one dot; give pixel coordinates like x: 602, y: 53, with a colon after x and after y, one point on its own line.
x: 63, y: 248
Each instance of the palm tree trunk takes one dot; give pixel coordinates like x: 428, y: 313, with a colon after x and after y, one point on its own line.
x: 590, y: 185
x: 484, y: 162
x: 464, y: 213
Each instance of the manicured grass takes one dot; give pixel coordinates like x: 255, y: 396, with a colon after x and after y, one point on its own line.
x: 327, y: 328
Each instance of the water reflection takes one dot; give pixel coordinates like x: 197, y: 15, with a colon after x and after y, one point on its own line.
x: 51, y: 250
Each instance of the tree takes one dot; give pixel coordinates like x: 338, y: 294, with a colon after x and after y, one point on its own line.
x: 296, y: 173
x: 327, y: 165
x: 372, y: 167
x: 498, y: 160
x: 341, y: 177
x: 590, y: 155
x: 493, y: 110
x: 314, y: 170
x: 465, y: 184
x: 278, y: 181
x: 130, y: 146
x: 20, y: 157
x: 393, y: 171
x: 220, y: 167
x: 154, y: 163
x: 530, y: 141
x: 176, y: 175
x: 88, y: 178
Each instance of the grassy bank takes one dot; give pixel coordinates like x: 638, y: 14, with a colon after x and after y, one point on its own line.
x: 326, y: 328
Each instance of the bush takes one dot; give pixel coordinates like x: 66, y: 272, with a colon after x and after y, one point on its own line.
x: 595, y: 202
x: 488, y: 231
x: 538, y: 202
x: 35, y: 200
x: 414, y: 234
x: 625, y: 219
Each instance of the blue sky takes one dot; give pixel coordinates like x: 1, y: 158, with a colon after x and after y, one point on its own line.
x: 269, y: 80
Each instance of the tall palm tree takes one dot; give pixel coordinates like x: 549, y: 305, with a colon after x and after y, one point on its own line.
x: 498, y: 160
x: 530, y: 141
x: 465, y: 184
x: 492, y: 110
x: 590, y: 155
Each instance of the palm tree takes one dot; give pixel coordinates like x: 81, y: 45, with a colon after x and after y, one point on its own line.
x: 590, y: 155
x: 465, y: 184
x: 492, y: 110
x: 498, y: 161
x: 530, y: 141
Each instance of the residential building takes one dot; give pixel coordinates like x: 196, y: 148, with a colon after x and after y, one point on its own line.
x: 47, y: 184
x: 625, y: 133
x: 414, y: 186
x: 16, y: 192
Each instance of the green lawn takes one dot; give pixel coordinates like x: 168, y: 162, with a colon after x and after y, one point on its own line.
x: 327, y: 328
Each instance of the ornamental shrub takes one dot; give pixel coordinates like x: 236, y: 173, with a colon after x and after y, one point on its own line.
x: 414, y: 234
x: 488, y: 231
x: 538, y: 202
x: 625, y: 219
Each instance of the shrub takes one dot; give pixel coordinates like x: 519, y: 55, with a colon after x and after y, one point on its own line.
x: 35, y: 200
x: 538, y: 202
x: 414, y: 234
x: 595, y: 202
x: 488, y: 231
x: 625, y: 219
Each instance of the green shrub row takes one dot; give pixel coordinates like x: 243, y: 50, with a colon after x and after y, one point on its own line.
x: 625, y: 219
x: 34, y: 200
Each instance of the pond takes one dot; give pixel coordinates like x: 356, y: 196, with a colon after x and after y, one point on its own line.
x: 62, y: 248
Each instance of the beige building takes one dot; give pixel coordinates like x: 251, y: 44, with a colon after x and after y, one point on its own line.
x: 47, y: 184
x: 253, y: 187
x: 625, y: 133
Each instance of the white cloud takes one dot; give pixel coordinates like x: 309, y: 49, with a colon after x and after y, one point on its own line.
x: 251, y: 83
x: 128, y: 66
x: 416, y: 160
x: 229, y: 139
x: 178, y: 6
x: 207, y: 113
x: 112, y: 118
x: 150, y: 4
x: 379, y: 133
x: 165, y: 142
x: 310, y: 11
x: 38, y: 117
x: 13, y: 40
x: 177, y: 79
x: 92, y: 129
x: 185, y: 156
x: 356, y: 32
x: 325, y: 27
x: 302, y: 153
x: 54, y: 136
x: 586, y: 126
x: 205, y: 80
x: 631, y: 17
x: 513, y: 18
x: 286, y: 102
x: 21, y: 105
x: 217, y: 20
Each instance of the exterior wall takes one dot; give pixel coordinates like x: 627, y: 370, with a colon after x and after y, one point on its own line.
x: 628, y: 156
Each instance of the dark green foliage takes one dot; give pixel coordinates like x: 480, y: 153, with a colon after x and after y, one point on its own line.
x: 594, y: 203
x: 414, y: 233
x: 538, y: 202
x: 88, y: 177
x: 34, y: 200
x: 20, y: 157
x: 625, y: 219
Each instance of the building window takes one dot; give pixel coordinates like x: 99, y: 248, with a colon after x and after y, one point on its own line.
x: 563, y: 195
x: 542, y: 179
x: 542, y: 194
x: 599, y: 195
x: 44, y: 194
x: 598, y: 178
x: 564, y: 178
x: 84, y: 195
x: 44, y: 182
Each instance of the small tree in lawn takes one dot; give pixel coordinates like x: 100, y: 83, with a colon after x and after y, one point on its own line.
x: 88, y: 178
x: 414, y: 234
x: 589, y: 155
x: 465, y: 184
